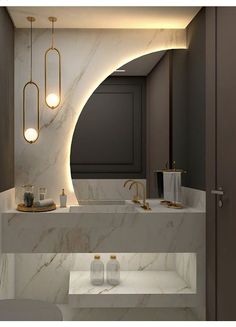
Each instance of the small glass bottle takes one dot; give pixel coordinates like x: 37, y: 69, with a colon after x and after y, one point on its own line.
x: 113, y: 271
x: 28, y: 195
x: 42, y: 193
x: 63, y: 199
x: 97, y: 271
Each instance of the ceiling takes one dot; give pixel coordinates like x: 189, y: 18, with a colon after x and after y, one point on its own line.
x: 141, y: 66
x: 105, y: 17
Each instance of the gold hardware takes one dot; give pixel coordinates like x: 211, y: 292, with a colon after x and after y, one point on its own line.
x: 36, y: 132
x: 136, y: 196
x: 175, y: 205
x: 53, y: 49
x: 113, y: 257
x: 52, y: 19
x: 31, y: 19
x: 165, y: 202
x: 97, y: 257
x: 145, y: 204
x: 24, y: 114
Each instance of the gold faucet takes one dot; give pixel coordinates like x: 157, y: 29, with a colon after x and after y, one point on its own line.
x: 145, y: 204
x: 135, y: 197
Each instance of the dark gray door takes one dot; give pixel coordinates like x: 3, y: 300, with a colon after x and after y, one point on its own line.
x: 226, y: 162
x: 221, y: 162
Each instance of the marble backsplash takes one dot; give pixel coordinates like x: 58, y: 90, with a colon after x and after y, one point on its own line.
x: 7, y: 261
x: 104, y: 189
x: 112, y: 189
x: 194, y: 198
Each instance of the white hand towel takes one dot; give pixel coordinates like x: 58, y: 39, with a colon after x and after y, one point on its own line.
x: 168, y: 181
x: 177, y: 186
x: 44, y: 203
x: 172, y: 186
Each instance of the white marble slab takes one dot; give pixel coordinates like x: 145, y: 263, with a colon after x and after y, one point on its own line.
x: 104, y: 189
x: 127, y: 314
x: 7, y: 261
x: 137, y: 289
x: 194, y: 198
x: 145, y: 231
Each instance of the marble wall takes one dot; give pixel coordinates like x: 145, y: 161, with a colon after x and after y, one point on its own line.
x: 7, y: 263
x: 88, y: 57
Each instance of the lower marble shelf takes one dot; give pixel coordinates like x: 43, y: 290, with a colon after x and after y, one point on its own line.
x: 137, y: 289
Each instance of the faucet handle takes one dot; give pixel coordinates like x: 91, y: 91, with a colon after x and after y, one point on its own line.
x: 135, y: 199
x: 146, y: 206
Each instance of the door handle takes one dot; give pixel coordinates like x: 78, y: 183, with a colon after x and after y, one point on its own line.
x: 217, y: 192
x: 220, y: 193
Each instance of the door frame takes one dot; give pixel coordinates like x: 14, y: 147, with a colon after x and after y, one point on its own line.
x: 211, y: 163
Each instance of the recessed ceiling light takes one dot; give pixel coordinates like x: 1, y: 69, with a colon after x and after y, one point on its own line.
x: 120, y: 71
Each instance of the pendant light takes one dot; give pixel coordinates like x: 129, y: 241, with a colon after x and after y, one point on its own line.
x: 52, y: 100
x: 31, y: 134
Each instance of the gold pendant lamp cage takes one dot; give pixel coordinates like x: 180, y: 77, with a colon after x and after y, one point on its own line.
x: 31, y: 134
x: 52, y: 100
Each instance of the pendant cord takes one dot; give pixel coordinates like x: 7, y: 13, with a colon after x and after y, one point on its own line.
x: 31, y: 52
x: 52, y: 34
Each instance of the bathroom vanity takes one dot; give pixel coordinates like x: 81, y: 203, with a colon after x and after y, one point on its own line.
x: 119, y: 227
x: 92, y: 228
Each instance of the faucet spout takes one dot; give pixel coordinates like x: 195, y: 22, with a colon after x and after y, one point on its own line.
x: 136, y: 196
x: 145, y: 204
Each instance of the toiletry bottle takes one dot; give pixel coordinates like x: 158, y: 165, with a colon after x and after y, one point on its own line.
x: 42, y: 193
x: 113, y: 271
x: 63, y: 199
x: 97, y: 271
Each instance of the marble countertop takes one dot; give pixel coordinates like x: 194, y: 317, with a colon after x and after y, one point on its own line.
x: 126, y: 207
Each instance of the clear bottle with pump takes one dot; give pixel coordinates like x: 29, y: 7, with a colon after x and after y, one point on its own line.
x: 63, y: 199
x: 113, y: 271
x: 97, y: 271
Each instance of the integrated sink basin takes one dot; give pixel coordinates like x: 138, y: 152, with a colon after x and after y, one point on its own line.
x: 102, y: 202
x: 104, y: 208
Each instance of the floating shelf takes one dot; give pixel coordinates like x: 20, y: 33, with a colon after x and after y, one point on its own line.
x: 137, y: 289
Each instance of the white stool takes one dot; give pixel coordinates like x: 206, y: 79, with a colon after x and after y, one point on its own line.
x: 28, y: 310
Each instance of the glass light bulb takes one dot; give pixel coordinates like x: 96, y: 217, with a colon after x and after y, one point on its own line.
x: 31, y: 135
x: 52, y: 100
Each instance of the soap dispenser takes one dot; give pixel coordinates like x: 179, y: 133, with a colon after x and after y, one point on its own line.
x: 63, y: 199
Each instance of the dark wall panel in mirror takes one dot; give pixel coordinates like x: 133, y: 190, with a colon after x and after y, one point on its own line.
x: 158, y: 103
x: 6, y: 101
x: 109, y: 138
x: 196, y: 101
x: 179, y: 133
x: 188, y: 105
